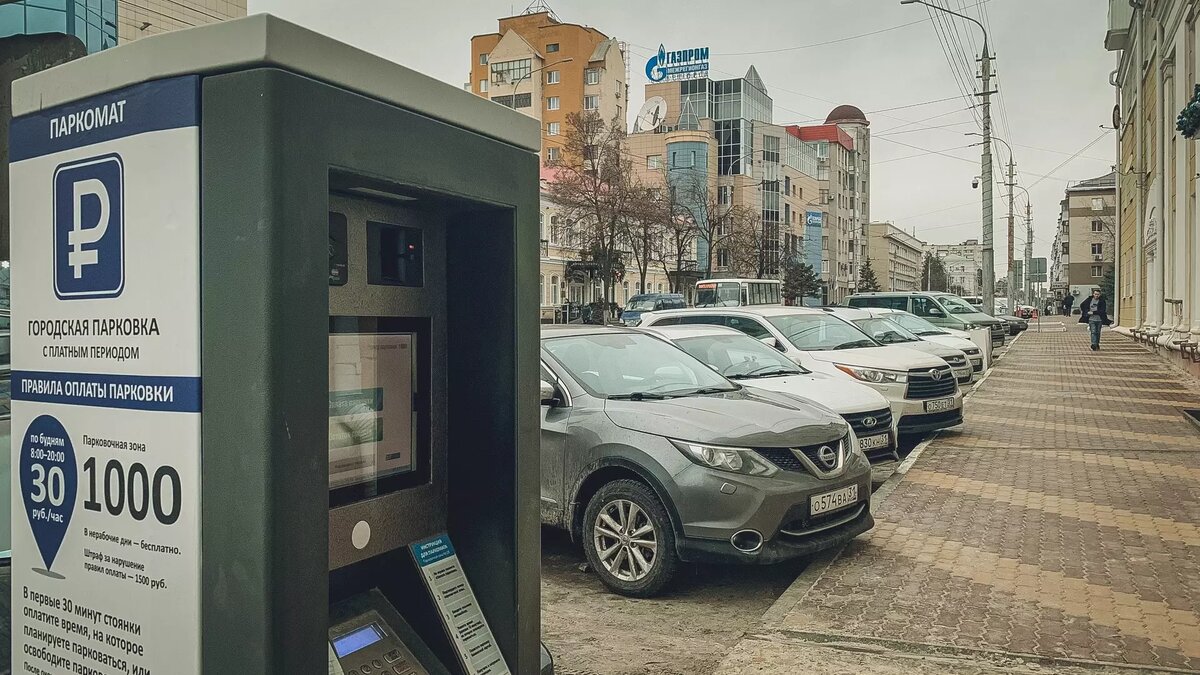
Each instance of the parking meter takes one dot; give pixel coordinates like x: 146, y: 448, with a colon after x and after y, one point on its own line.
x: 275, y: 334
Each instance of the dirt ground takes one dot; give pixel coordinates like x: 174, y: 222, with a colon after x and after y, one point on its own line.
x: 591, y: 631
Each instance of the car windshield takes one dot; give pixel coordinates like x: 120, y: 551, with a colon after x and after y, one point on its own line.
x: 629, y: 365
x: 916, y: 324
x: 885, y: 331
x: 739, y: 356
x: 820, y: 332
x: 957, y: 305
x: 722, y: 294
x: 643, y: 305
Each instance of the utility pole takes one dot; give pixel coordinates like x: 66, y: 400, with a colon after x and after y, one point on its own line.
x: 1028, y: 249
x: 989, y: 262
x: 1012, y: 291
x: 989, y: 266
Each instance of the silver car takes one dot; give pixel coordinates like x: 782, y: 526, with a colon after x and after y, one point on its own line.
x: 650, y: 459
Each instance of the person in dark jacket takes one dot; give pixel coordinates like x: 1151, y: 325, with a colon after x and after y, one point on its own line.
x: 1067, y: 301
x: 1094, y: 312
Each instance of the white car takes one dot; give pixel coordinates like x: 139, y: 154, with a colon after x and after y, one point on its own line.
x: 920, y: 388
x: 740, y: 357
x: 888, y: 332
x: 958, y: 339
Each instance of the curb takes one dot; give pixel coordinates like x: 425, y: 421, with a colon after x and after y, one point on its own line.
x: 808, y: 578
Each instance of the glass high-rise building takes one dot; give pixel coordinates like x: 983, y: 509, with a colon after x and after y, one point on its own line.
x: 94, y: 22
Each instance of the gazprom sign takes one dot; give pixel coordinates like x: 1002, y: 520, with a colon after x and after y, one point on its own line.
x: 683, y: 64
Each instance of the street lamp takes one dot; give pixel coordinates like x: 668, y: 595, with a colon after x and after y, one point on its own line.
x: 989, y: 271
x: 526, y: 75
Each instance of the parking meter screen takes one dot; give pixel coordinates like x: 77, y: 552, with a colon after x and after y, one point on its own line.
x: 371, y: 418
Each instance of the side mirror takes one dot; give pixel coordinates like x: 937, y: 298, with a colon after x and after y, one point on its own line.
x: 772, y: 343
x: 548, y: 397
x: 934, y: 311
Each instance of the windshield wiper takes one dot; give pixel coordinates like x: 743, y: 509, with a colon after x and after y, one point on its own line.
x: 637, y: 396
x: 856, y: 344
x: 705, y: 390
x: 772, y: 371
x: 932, y: 332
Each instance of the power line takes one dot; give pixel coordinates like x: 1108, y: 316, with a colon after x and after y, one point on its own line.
x: 1071, y: 158
x: 821, y: 44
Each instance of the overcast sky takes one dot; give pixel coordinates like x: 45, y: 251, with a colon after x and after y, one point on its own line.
x: 1053, y: 81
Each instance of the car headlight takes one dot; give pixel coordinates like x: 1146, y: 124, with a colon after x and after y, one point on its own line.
x: 971, y: 326
x: 873, y: 375
x: 632, y: 322
x: 735, y: 460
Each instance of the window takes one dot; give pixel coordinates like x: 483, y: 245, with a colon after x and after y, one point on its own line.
x: 591, y: 102
x: 542, y: 289
x: 1097, y: 249
x: 1097, y: 270
x: 723, y: 258
x: 1097, y: 203
x: 552, y: 77
x: 552, y: 129
x: 725, y: 195
x: 511, y: 71
x: 1097, y: 226
x: 483, y: 85
x: 654, y: 162
x: 552, y: 103
x: 517, y: 101
x: 591, y: 76
x: 787, y: 185
x: 1066, y: 248
x: 483, y: 59
x: 748, y: 326
x: 552, y: 154
x: 552, y: 47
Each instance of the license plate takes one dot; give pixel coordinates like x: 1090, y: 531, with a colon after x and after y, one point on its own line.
x: 939, y: 405
x: 873, y: 442
x: 832, y: 501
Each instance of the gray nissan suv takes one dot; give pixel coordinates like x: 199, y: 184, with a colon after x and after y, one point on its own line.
x: 650, y: 458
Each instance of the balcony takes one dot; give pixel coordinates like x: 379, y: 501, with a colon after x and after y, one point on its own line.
x: 1120, y: 15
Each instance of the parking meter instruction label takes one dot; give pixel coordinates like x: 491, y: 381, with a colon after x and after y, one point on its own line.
x: 463, y: 619
x: 106, y: 384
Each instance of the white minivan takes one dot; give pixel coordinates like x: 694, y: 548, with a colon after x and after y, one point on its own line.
x: 921, y: 388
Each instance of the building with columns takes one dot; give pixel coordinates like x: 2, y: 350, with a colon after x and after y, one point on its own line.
x: 1158, y: 233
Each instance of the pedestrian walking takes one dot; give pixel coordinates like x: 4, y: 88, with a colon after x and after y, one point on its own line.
x: 1094, y: 312
x: 1067, y: 301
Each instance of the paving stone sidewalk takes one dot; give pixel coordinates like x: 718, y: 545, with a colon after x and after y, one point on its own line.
x: 1058, y: 530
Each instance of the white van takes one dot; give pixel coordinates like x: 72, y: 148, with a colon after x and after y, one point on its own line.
x: 921, y: 388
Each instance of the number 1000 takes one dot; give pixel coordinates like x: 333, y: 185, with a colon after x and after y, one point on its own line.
x: 135, y: 490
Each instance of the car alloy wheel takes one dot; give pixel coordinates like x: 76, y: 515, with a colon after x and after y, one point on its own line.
x: 626, y: 540
x: 629, y: 539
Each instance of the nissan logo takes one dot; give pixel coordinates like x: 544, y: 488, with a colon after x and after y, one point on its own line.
x: 869, y: 422
x: 828, y: 456
x: 935, y: 374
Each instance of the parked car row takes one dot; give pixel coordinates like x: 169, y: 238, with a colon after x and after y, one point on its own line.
x: 732, y: 434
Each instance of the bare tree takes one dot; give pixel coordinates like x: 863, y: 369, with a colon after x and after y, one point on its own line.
x: 644, y: 229
x: 718, y: 223
x: 750, y: 252
x: 594, y: 184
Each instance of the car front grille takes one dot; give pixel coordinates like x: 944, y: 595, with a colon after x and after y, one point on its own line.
x: 882, y: 422
x: 786, y: 459
x: 956, y: 361
x: 922, y: 385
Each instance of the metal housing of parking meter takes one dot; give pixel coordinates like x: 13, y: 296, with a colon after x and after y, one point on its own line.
x: 273, y: 301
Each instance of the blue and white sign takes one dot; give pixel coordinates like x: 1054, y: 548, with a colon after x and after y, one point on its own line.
x: 88, y: 228
x: 682, y: 64
x: 463, y: 619
x: 106, y: 383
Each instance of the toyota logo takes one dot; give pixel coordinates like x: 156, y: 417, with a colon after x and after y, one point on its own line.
x: 828, y: 456
x: 935, y: 374
x: 869, y: 422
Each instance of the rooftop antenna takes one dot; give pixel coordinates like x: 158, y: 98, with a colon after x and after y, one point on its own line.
x: 539, y: 6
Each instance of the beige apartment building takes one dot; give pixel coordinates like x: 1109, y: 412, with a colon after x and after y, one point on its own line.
x: 548, y: 69
x: 150, y: 17
x: 896, y: 256
x: 1085, y: 245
